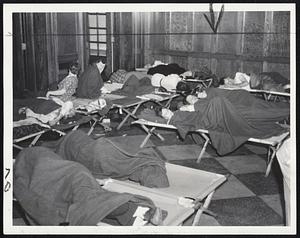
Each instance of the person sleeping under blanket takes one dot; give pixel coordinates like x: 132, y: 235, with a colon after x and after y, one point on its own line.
x: 105, y: 158
x: 230, y: 116
x: 270, y: 81
x: 136, y: 84
x: 54, y: 191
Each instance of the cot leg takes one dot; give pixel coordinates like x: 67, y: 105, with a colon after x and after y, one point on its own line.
x: 149, y: 134
x: 168, y: 102
x: 204, y: 148
x: 201, y: 209
x: 92, y: 127
x: 271, y: 156
x: 35, y: 140
x: 158, y: 135
x: 75, y: 128
x: 59, y: 132
x: 18, y: 147
x: 269, y: 97
x: 132, y: 114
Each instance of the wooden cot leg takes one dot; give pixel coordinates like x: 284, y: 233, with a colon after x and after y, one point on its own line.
x: 18, y: 147
x: 204, y: 147
x: 75, y: 128
x: 35, y: 140
x: 201, y: 209
x: 168, y: 102
x: 92, y: 127
x: 270, y: 160
x: 158, y: 135
x: 269, y: 97
x: 128, y: 115
x: 149, y: 134
x: 59, y: 132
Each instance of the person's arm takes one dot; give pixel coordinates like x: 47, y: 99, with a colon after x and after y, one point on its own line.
x: 187, y: 108
x: 56, y: 92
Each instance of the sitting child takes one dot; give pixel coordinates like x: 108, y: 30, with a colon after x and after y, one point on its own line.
x: 67, y: 87
x: 56, y: 104
x: 91, y: 81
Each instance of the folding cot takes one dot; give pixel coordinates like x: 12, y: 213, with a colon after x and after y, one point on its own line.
x: 273, y: 143
x: 205, y: 83
x: 123, y: 103
x: 268, y: 95
x: 39, y: 131
x: 131, y: 105
x: 190, y: 191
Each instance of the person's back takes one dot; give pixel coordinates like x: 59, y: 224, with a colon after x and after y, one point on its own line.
x: 90, y: 81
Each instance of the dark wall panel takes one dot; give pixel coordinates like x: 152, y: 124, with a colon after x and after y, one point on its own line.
x: 254, y: 25
x: 66, y: 29
x: 250, y: 48
x: 40, y: 40
x: 201, y: 41
x: 227, y: 43
x: 279, y: 44
x: 181, y: 23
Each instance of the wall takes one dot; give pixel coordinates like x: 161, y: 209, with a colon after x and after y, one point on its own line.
x: 244, y: 41
x: 44, y: 44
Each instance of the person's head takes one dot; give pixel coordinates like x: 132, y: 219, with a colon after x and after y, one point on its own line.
x: 74, y: 68
x: 163, y: 112
x: 254, y: 80
x: 166, y: 113
x: 182, y: 86
x: 202, y: 94
x: 191, y: 99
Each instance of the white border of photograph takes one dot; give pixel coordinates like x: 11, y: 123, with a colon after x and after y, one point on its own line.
x: 9, y: 9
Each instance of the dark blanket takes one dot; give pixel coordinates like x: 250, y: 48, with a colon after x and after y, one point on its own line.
x: 53, y: 190
x: 135, y: 86
x: 107, y: 159
x: 232, y: 117
x: 166, y: 69
x: 89, y: 83
x: 270, y: 81
x: 39, y: 106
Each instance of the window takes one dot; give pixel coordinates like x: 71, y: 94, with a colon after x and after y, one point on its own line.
x: 97, y: 34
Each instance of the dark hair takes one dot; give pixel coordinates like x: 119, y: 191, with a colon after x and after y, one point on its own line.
x: 222, y: 81
x: 74, y: 67
x: 182, y: 86
x: 97, y: 59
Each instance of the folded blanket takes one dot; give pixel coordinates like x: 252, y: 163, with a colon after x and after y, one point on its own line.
x: 107, y: 159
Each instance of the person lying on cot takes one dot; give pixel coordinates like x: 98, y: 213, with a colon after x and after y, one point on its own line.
x: 230, y: 116
x: 54, y: 191
x: 57, y: 104
x: 62, y: 110
x: 105, y: 157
